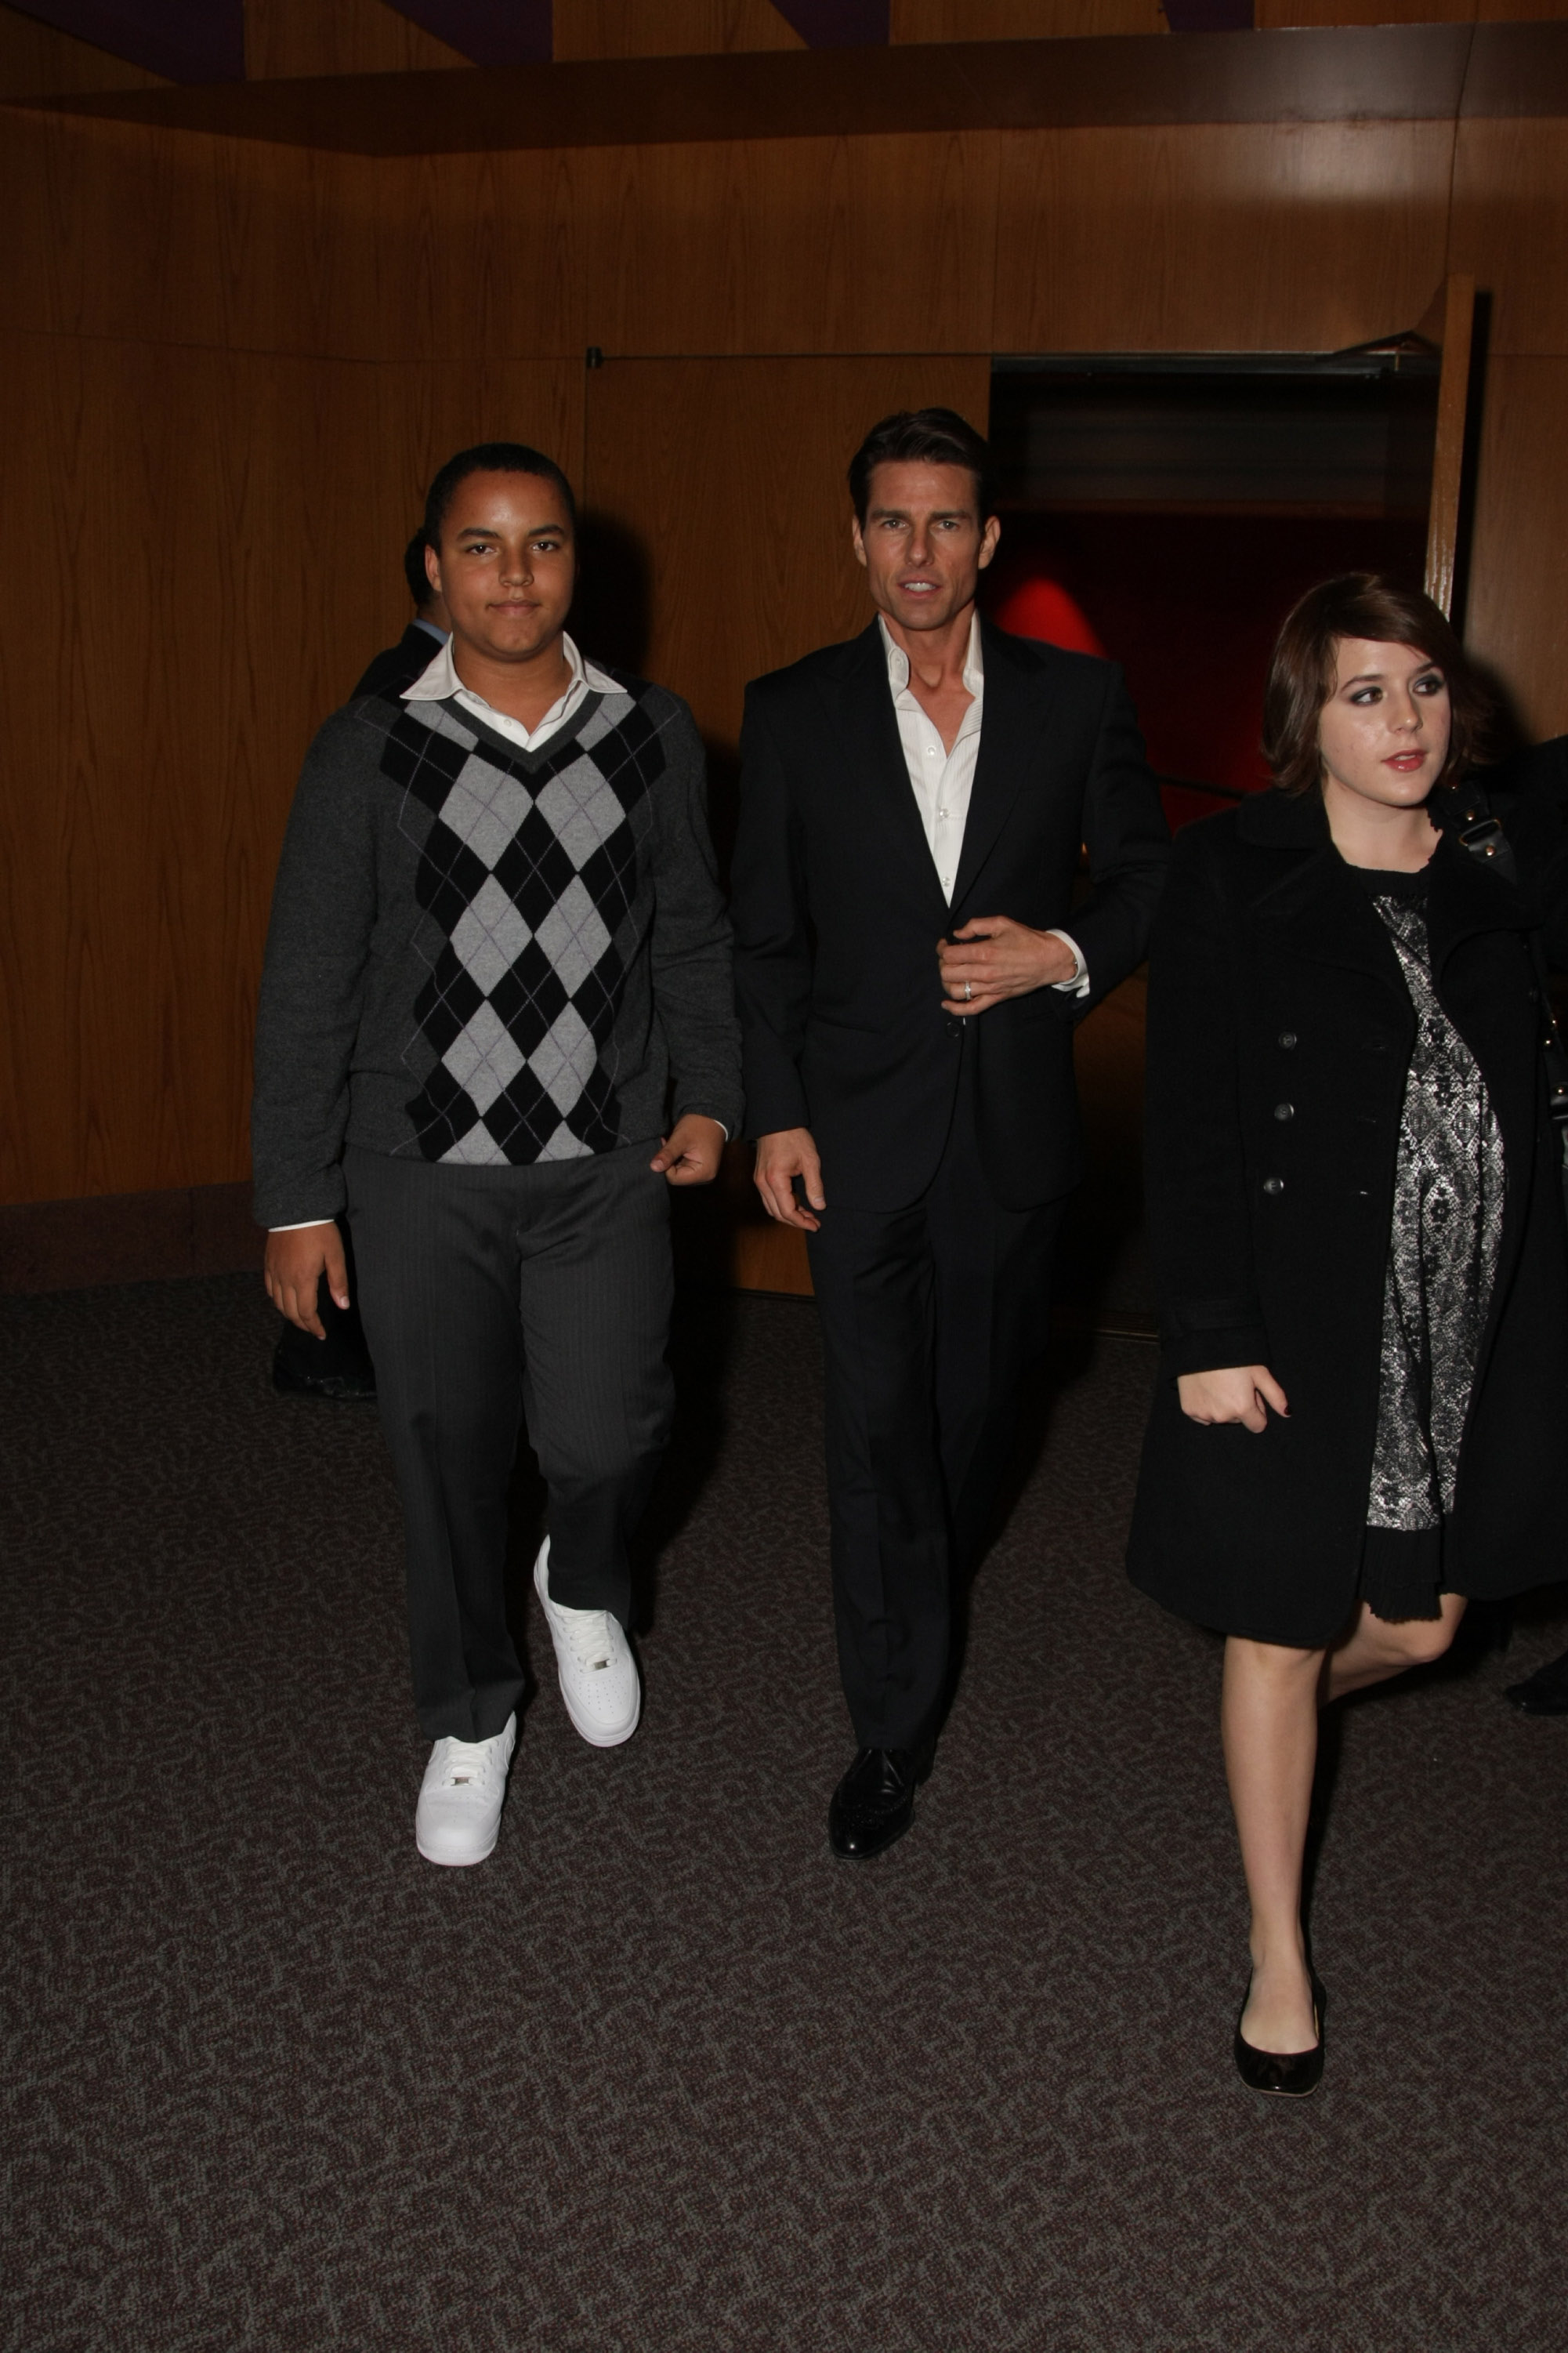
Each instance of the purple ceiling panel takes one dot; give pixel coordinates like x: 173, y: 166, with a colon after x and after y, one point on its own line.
x: 1208, y: 16
x: 837, y: 24
x: 187, y: 40
x: 491, y: 32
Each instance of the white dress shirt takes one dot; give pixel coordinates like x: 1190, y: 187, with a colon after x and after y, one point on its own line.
x: 943, y: 780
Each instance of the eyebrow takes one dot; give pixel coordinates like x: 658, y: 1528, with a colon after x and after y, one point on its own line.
x: 1376, y: 676
x: 534, y: 531
x: 938, y: 514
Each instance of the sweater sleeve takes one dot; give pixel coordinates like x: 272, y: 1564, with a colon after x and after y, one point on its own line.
x: 693, y: 989
x: 1200, y: 1229
x: 318, y: 942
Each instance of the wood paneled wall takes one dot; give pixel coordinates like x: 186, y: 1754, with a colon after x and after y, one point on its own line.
x: 230, y: 368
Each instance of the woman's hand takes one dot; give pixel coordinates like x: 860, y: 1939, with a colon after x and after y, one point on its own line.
x: 1237, y: 1393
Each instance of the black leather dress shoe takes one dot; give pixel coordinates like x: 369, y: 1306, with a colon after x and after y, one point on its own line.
x: 1545, y: 1692
x: 351, y: 1385
x: 875, y: 1802
x: 1287, y: 2074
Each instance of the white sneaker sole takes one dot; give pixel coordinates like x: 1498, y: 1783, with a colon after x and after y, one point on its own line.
x: 595, y: 1733
x: 457, y: 1861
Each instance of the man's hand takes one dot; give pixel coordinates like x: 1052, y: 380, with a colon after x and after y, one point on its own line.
x: 1237, y: 1393
x: 294, y: 1264
x: 783, y: 1156
x: 994, y: 958
x: 691, y: 1153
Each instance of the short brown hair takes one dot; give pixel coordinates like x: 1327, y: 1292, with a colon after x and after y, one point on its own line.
x: 1302, y: 672
x: 934, y: 437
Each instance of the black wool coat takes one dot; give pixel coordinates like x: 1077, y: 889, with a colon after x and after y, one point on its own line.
x: 1279, y: 1035
x: 839, y: 910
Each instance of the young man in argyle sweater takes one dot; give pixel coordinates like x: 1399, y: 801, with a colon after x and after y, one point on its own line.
x: 497, y: 971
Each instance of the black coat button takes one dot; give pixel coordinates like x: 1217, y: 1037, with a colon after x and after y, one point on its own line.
x: 1274, y: 1184
x: 1284, y: 1110
x: 1288, y: 1038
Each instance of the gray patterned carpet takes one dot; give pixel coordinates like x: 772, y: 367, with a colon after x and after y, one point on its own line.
x: 662, y: 2076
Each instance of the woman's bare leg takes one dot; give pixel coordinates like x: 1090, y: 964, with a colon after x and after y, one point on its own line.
x: 1268, y: 1717
x: 1375, y: 1648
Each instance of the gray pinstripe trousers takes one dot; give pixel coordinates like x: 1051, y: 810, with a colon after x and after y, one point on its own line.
x: 491, y: 1295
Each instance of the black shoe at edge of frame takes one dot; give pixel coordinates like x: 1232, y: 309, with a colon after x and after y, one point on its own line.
x: 875, y: 1802
x: 1545, y: 1692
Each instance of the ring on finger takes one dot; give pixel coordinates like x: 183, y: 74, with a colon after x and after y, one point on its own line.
x: 968, y: 990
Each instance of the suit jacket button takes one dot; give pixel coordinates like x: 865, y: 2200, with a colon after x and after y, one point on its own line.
x: 1274, y: 1184
x: 1288, y: 1038
x: 1284, y: 1110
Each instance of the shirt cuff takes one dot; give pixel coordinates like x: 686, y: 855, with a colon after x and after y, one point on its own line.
x: 1079, y: 985
x: 301, y: 1226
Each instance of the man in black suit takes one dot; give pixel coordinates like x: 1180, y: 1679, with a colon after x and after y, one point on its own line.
x: 334, y: 1364
x: 910, y: 965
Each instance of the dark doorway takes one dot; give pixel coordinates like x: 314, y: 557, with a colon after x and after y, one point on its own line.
x: 1168, y: 511
x: 1180, y: 506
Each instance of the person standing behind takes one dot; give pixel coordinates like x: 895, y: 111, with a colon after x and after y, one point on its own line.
x: 329, y: 1359
x: 498, y: 945
x: 398, y: 666
x: 912, y: 808
x: 1356, y: 1219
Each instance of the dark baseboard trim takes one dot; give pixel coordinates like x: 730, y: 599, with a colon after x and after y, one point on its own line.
x: 127, y: 1238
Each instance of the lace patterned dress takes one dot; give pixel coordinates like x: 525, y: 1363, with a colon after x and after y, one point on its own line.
x: 1442, y: 1260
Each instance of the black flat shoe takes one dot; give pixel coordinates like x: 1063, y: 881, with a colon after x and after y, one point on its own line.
x: 875, y: 1802
x: 1545, y: 1692
x: 1287, y: 2074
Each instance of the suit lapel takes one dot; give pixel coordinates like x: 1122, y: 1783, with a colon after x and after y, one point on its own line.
x: 1015, y: 706
x: 867, y: 730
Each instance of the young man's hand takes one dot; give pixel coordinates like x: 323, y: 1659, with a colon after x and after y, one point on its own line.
x: 294, y: 1265
x: 691, y: 1153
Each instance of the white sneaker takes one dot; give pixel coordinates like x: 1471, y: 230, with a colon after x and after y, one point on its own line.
x: 458, y: 1813
x: 598, y: 1673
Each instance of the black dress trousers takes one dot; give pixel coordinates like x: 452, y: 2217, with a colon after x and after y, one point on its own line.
x: 490, y: 1294
x: 930, y: 1316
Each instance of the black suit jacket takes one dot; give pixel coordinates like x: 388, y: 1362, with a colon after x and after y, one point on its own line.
x: 839, y: 912
x: 399, y: 665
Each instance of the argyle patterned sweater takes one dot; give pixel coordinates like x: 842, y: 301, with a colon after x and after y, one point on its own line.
x: 483, y: 955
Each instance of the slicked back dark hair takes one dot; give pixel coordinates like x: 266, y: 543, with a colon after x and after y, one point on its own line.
x: 414, y: 571
x: 931, y: 437
x: 492, y: 458
x: 1304, y: 671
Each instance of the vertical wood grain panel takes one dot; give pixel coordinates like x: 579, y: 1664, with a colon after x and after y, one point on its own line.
x: 668, y: 28
x: 1517, y: 605
x: 1448, y: 455
x: 1218, y: 238
x: 1510, y: 229
x: 800, y: 244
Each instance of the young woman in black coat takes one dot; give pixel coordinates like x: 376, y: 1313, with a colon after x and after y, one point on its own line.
x: 1358, y: 1231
